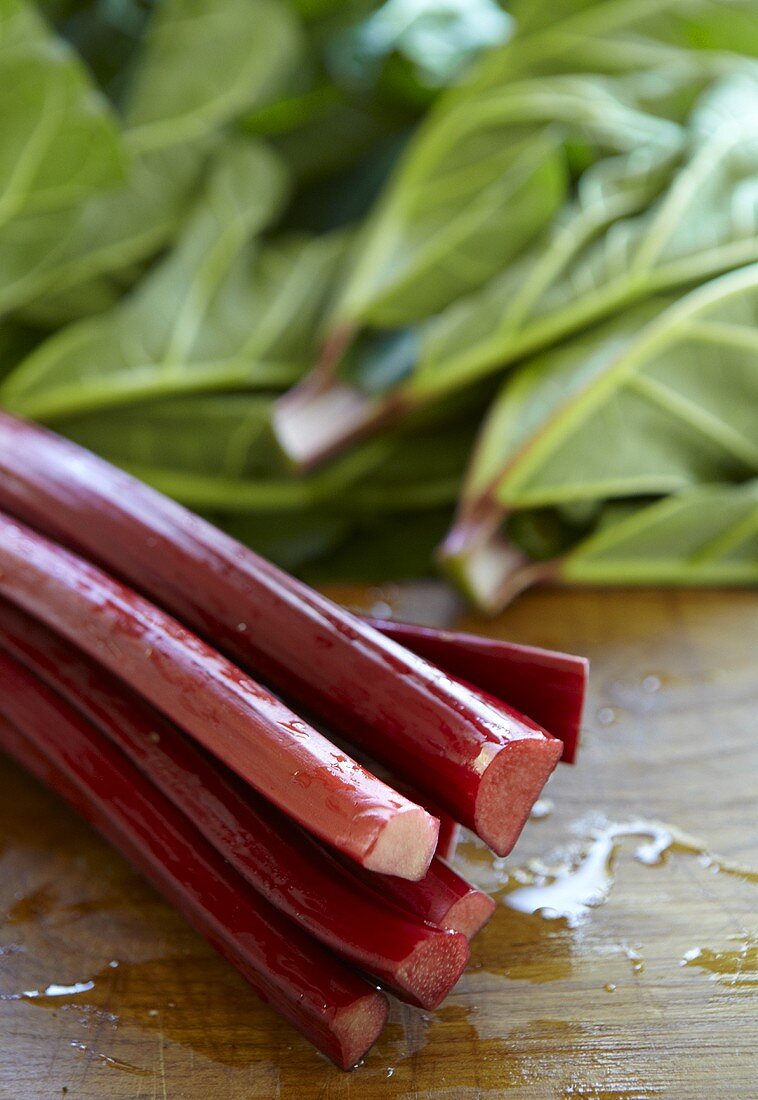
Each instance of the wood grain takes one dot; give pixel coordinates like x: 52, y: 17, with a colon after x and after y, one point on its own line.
x: 596, y: 1006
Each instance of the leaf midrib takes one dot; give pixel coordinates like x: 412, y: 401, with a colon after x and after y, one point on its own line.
x: 660, y: 332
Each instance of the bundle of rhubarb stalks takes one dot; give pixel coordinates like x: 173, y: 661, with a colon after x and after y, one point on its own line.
x: 290, y: 776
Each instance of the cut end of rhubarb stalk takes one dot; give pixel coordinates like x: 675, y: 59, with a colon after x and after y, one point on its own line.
x: 490, y: 576
x: 485, y: 566
x: 405, y: 845
x: 510, y: 786
x: 433, y: 968
x: 470, y: 914
x: 357, y: 1027
x: 313, y: 421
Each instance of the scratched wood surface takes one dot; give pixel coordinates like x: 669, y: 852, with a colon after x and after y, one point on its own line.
x: 644, y: 986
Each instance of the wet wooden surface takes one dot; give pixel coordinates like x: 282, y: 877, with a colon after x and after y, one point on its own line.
x: 644, y: 986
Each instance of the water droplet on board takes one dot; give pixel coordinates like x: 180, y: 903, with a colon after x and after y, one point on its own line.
x: 606, y: 716
x: 112, y: 1063
x: 569, y: 883
x: 733, y: 966
x: 52, y: 990
x: 636, y: 959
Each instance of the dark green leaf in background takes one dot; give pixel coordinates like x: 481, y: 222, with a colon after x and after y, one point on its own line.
x: 639, y: 406
x: 59, y: 141
x: 704, y: 221
x: 202, y: 204
x: 218, y: 313
x: 178, y: 105
x: 704, y: 535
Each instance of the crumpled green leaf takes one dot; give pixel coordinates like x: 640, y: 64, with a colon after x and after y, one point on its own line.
x: 617, y: 36
x: 59, y: 140
x: 648, y: 403
x: 219, y: 312
x: 701, y: 535
x: 705, y: 535
x: 204, y: 64
x: 215, y: 452
x: 704, y: 222
x: 464, y: 200
x: 625, y: 147
x: 478, y: 182
x: 180, y: 102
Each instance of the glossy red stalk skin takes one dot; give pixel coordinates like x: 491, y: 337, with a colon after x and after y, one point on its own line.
x: 418, y: 962
x: 449, y: 830
x: 236, y: 719
x: 443, y: 896
x: 475, y: 760
x: 548, y: 686
x: 447, y: 840
x: 327, y: 1002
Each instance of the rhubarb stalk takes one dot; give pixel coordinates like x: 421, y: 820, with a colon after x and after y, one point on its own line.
x: 416, y: 961
x: 548, y: 686
x: 447, y: 840
x: 442, y: 896
x: 486, y: 767
x: 328, y: 1003
x: 235, y: 718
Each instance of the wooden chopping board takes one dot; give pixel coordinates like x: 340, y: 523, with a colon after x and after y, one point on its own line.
x: 635, y: 977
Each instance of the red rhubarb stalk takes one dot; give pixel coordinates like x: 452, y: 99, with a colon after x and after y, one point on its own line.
x: 327, y: 1002
x: 486, y: 767
x: 447, y: 840
x: 235, y: 718
x: 548, y: 686
x: 418, y: 962
x: 443, y: 897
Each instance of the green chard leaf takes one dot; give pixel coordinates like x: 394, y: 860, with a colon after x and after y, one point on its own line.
x: 478, y: 182
x: 705, y: 221
x: 56, y: 253
x: 701, y: 535
x: 646, y: 404
x: 205, y: 64
x: 209, y: 434
x: 618, y: 35
x: 469, y: 194
x: 643, y: 224
x: 59, y: 141
x: 219, y: 312
x: 704, y: 535
x: 175, y: 115
x: 60, y: 146
x: 215, y: 452
x: 657, y: 400
x: 649, y: 194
